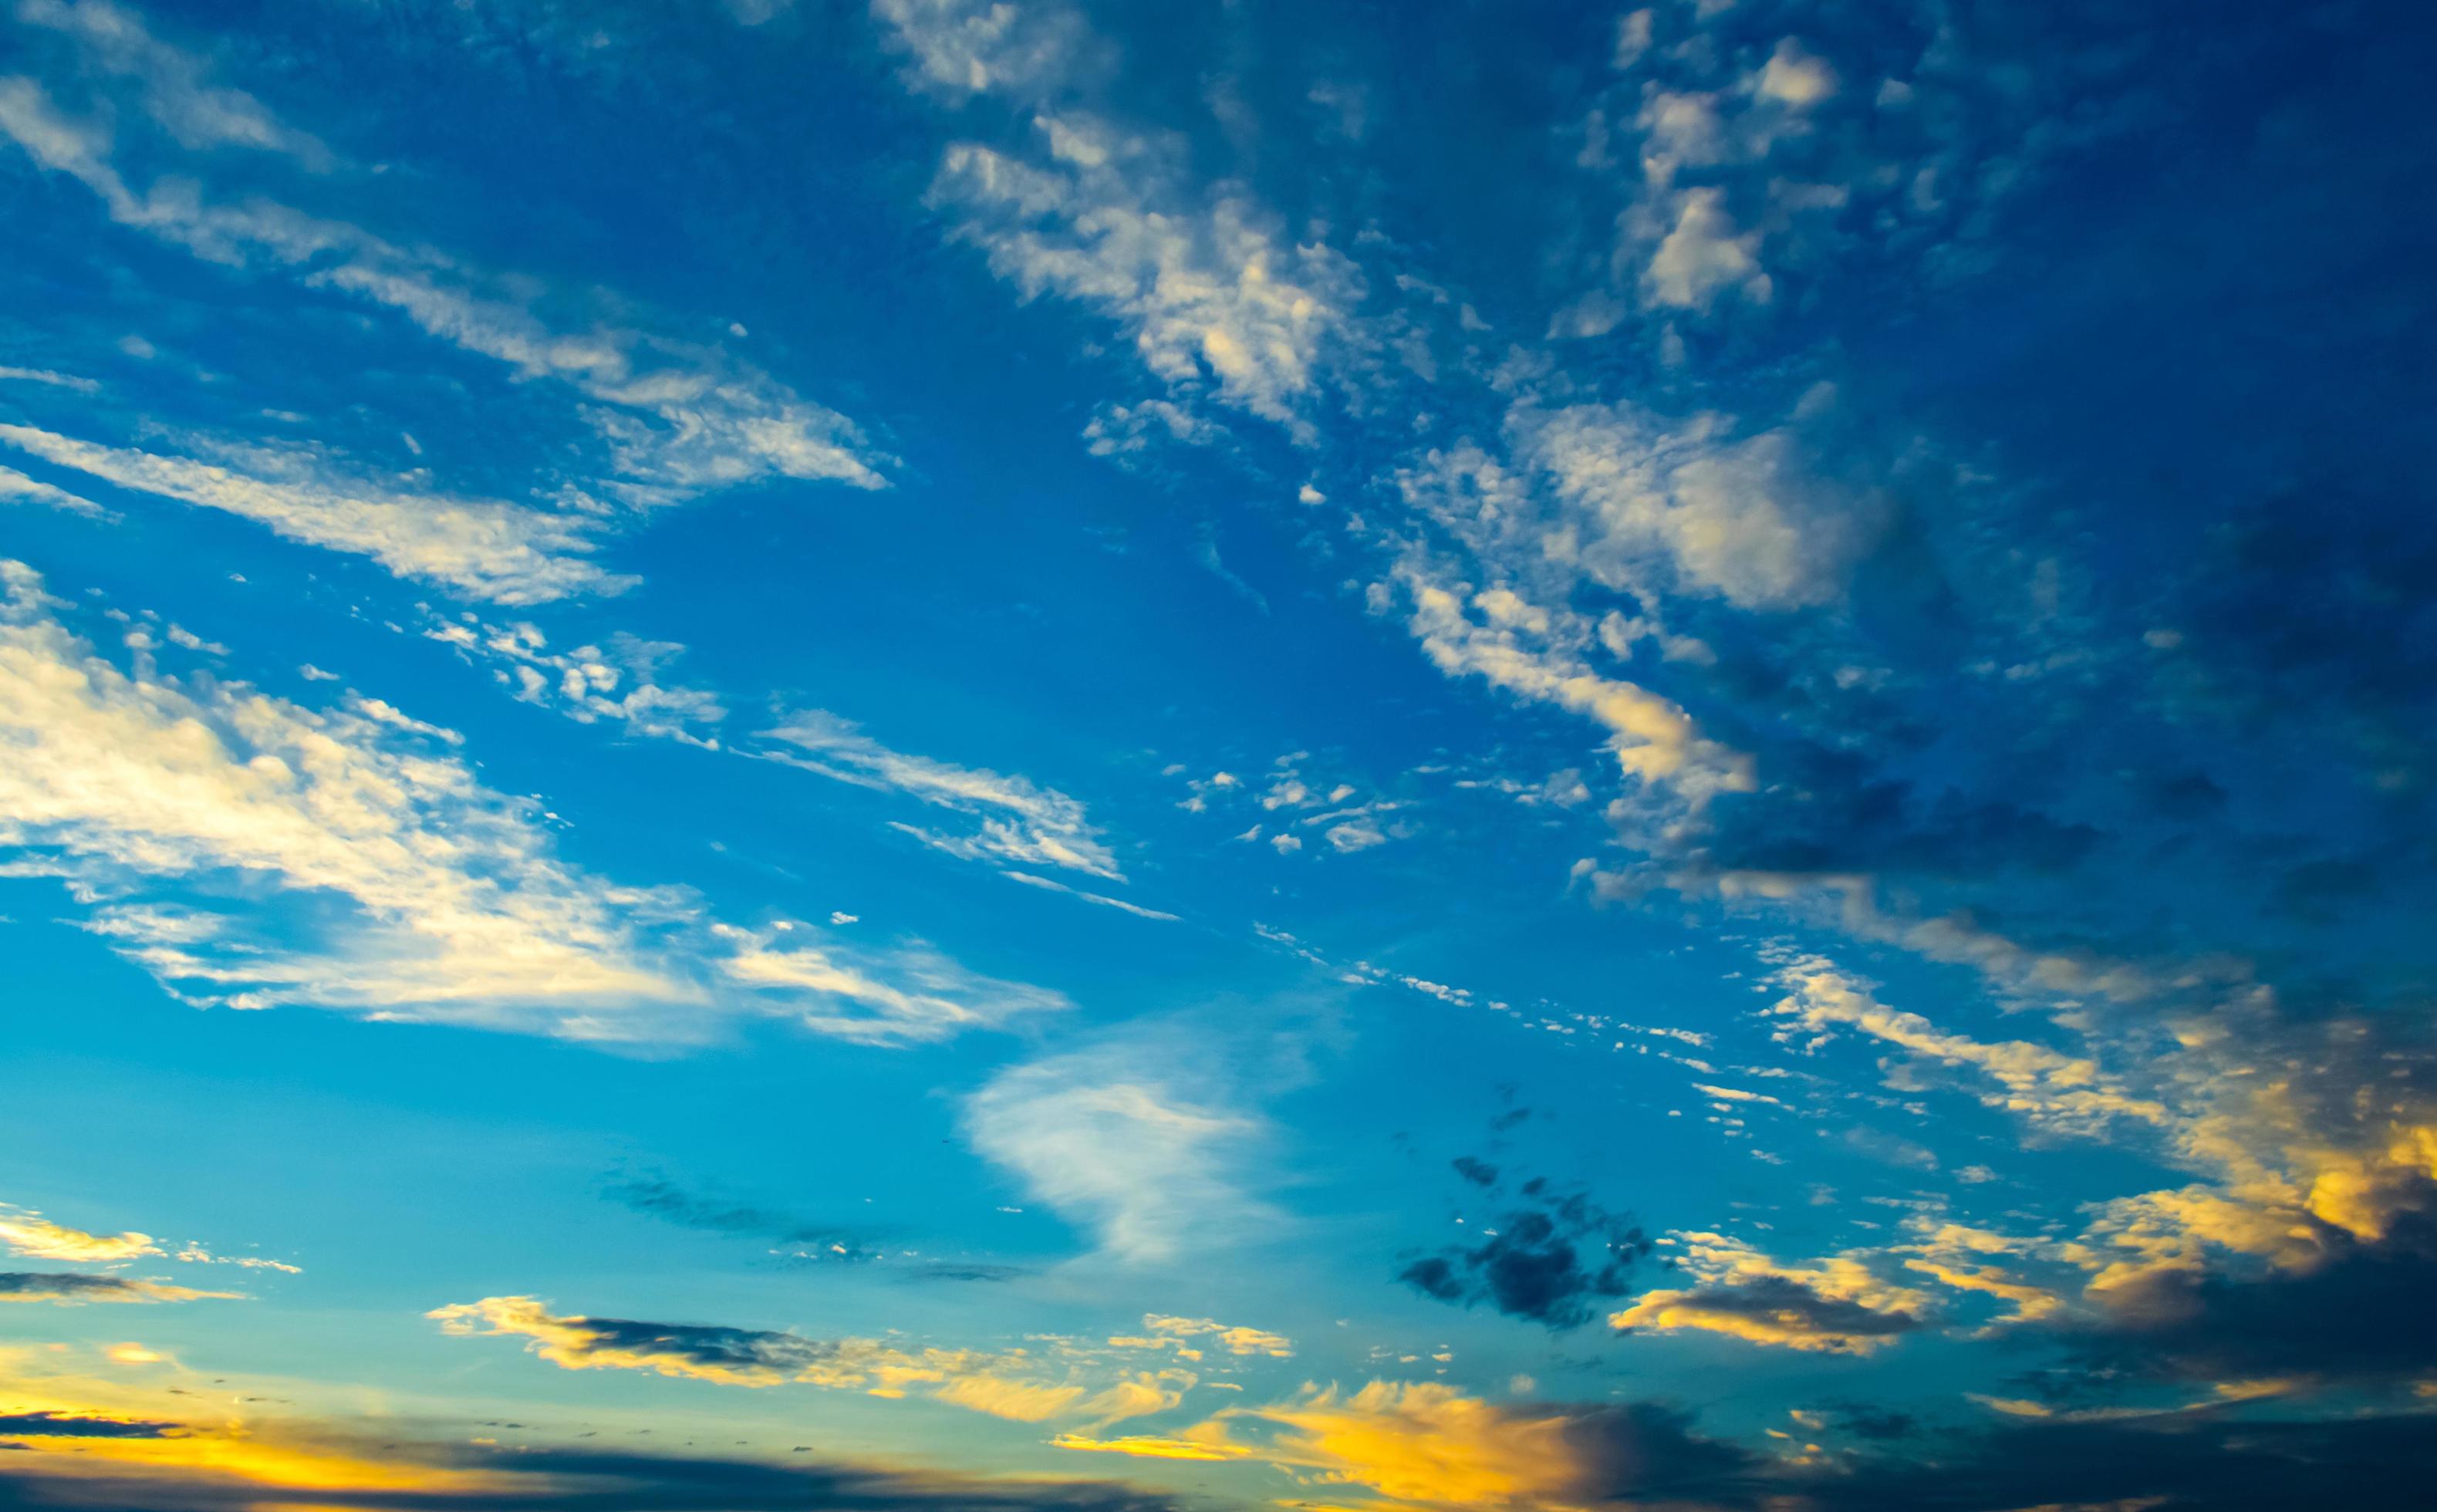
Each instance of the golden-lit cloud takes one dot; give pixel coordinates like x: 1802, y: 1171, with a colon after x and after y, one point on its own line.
x: 1837, y: 1305
x: 2045, y: 1085
x: 1152, y: 1447
x: 1015, y: 1384
x: 29, y: 1233
x: 1234, y: 1339
x: 1430, y: 1445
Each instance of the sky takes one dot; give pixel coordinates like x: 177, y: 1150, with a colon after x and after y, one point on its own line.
x: 1053, y: 756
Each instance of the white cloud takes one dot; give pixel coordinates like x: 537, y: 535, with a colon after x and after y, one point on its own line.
x: 1795, y: 78
x: 411, y: 890
x: 969, y: 46
x: 1745, y: 519
x: 1358, y: 834
x: 1128, y: 434
x: 1212, y: 293
x: 501, y: 551
x: 16, y: 486
x: 172, y: 85
x: 590, y: 683
x: 1534, y: 654
x: 1145, y: 1160
x: 906, y: 995
x: 1052, y: 885
x: 676, y: 416
x: 49, y: 378
x: 1704, y: 254
x: 1021, y: 822
x: 250, y: 852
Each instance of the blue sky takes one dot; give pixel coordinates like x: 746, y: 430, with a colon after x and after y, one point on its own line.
x: 1045, y: 755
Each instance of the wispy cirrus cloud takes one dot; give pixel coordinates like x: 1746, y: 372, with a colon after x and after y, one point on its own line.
x: 251, y: 852
x: 1022, y: 823
x: 487, y: 549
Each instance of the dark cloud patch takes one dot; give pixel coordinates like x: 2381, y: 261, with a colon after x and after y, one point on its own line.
x: 2367, y: 1312
x: 2183, y: 796
x: 1845, y: 820
x: 1877, y: 1424
x: 1479, y: 1172
x: 73, y: 1425
x: 70, y: 1287
x: 1546, y: 1262
x: 2322, y: 600
x: 704, y: 1343
x: 659, y: 1197
x: 2171, y: 1462
x: 1636, y: 1454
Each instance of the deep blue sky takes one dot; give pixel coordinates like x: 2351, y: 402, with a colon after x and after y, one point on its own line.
x: 1042, y: 754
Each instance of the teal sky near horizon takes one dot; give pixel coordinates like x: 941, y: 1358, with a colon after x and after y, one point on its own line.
x: 1034, y: 755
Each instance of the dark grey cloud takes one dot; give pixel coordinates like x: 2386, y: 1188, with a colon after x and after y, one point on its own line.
x: 73, y: 1287
x: 657, y: 1196
x: 2367, y: 1312
x: 2178, y: 1463
x: 705, y: 1343
x: 1878, y: 1424
x: 73, y: 1425
x: 1479, y: 1172
x: 1547, y: 1260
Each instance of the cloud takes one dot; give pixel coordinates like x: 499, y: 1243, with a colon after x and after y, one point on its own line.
x: 78, y: 1425
x: 1545, y: 1262
x: 74, y: 1289
x: 86, y: 1457
x: 2045, y: 1085
x: 174, y: 85
x: 1513, y: 645
x: 732, y: 1357
x: 676, y: 416
x: 15, y: 485
x: 1215, y: 298
x: 1131, y: 435
x: 1833, y: 1305
x: 1432, y: 1446
x: 2163, y: 1461
x: 1145, y: 1445
x: 1053, y: 885
x: 1704, y: 254
x: 2362, y: 1314
x: 659, y: 1197
x: 1021, y: 824
x: 349, y: 858
x: 590, y: 683
x: 1139, y: 1156
x: 1797, y: 78
x: 1013, y: 1384
x: 125, y: 777
x: 970, y: 47
x: 504, y: 552
x: 29, y: 1234
x: 906, y: 995
x: 1234, y: 1338
x: 1750, y: 520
